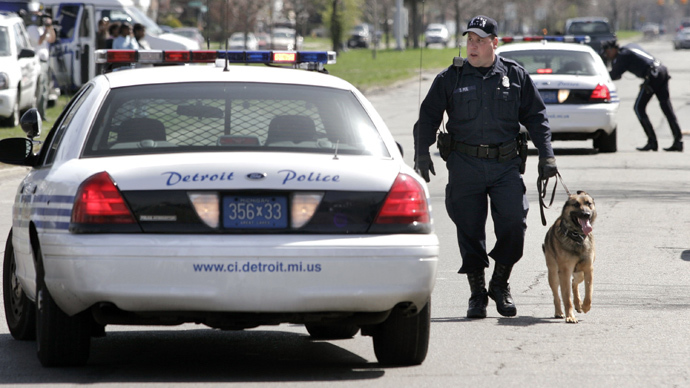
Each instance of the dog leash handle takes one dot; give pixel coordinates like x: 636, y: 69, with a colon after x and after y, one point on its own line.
x: 542, y: 185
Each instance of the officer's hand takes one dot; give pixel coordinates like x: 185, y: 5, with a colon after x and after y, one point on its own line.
x: 547, y: 168
x: 423, y: 165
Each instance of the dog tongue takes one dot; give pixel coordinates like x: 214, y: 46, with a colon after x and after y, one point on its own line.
x: 585, y: 225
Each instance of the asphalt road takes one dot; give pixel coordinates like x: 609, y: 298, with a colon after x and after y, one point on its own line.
x: 636, y: 335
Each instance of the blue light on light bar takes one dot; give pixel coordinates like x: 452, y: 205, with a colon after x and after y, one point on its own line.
x: 258, y: 57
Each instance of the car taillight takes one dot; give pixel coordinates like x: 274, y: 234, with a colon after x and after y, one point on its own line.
x: 600, y: 94
x: 404, y: 204
x: 98, y: 201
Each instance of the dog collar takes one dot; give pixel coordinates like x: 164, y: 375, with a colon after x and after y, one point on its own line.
x: 575, y: 236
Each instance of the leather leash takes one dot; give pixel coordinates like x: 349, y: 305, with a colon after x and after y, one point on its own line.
x: 542, y: 185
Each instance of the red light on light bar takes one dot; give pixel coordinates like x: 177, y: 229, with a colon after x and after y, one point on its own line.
x: 204, y: 56
x: 128, y: 56
x: 508, y: 39
x: 544, y: 71
x: 176, y: 56
x: 533, y: 38
x: 285, y: 57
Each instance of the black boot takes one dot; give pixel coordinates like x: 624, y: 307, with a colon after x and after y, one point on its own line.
x: 499, y: 290
x: 676, y: 146
x: 649, y: 147
x: 476, y: 308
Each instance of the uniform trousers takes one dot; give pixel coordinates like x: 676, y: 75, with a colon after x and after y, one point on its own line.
x: 473, y: 183
x: 656, y: 85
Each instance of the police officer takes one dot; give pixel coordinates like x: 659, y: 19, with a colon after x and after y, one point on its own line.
x: 486, y: 99
x: 634, y: 59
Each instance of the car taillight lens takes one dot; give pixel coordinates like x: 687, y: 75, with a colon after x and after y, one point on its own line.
x: 600, y: 94
x: 98, y: 201
x: 405, y: 203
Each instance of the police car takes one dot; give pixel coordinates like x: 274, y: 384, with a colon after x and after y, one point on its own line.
x: 231, y: 196
x: 581, y: 99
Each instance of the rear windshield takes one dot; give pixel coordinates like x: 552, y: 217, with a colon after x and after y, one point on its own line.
x: 553, y: 61
x: 589, y: 28
x: 203, y: 117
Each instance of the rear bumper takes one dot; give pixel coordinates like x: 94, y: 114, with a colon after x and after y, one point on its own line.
x: 582, y: 119
x: 256, y: 274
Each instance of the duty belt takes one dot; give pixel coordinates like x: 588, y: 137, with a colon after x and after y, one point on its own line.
x: 488, y: 151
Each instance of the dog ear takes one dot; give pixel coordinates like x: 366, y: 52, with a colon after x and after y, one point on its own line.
x: 581, y: 192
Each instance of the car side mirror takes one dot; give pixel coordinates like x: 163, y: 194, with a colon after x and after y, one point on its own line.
x: 17, y: 151
x: 31, y: 123
x: 27, y: 53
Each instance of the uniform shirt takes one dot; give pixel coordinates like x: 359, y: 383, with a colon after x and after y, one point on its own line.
x: 633, y: 59
x: 484, y: 109
x: 35, y: 33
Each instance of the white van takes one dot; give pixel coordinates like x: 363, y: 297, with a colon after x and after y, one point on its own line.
x: 72, y: 57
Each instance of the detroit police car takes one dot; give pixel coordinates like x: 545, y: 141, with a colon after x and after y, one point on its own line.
x: 232, y: 196
x: 581, y: 99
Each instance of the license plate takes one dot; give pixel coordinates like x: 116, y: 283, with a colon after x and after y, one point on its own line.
x: 255, y: 212
x: 549, y: 96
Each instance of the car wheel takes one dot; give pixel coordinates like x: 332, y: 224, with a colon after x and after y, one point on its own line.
x: 335, y: 331
x: 606, y: 143
x: 20, y: 312
x: 62, y: 340
x: 402, y: 340
x: 13, y: 119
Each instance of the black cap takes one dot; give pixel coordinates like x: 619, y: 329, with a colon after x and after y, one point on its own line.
x: 482, y: 26
x: 607, y: 44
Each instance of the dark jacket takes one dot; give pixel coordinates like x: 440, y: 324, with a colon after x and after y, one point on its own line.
x: 634, y: 59
x: 484, y: 110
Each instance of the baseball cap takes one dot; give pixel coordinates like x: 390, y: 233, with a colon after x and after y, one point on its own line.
x: 482, y: 26
x: 612, y: 43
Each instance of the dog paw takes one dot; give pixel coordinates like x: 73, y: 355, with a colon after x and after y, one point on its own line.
x: 578, y: 308
x: 559, y: 315
x: 586, y: 307
x: 570, y: 320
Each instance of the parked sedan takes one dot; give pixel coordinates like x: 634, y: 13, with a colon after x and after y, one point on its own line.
x: 581, y: 99
x: 284, y: 39
x: 238, y: 41
x: 682, y: 39
x: 234, y: 199
x: 436, y: 33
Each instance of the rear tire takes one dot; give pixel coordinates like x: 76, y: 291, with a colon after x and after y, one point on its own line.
x: 334, y: 331
x: 62, y: 340
x: 606, y: 143
x: 20, y: 312
x: 402, y: 340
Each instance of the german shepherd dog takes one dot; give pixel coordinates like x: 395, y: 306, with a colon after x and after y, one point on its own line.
x: 570, y: 252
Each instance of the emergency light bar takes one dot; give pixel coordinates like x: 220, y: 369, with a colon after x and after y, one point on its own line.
x: 210, y: 56
x: 547, y: 38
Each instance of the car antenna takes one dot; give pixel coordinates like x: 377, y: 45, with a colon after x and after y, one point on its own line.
x: 335, y: 157
x: 227, y: 61
x: 421, y: 50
